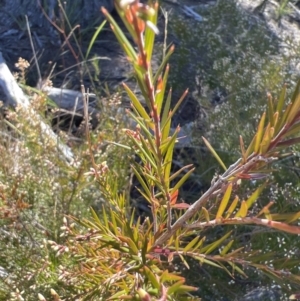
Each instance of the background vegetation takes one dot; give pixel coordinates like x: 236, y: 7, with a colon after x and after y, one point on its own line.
x: 38, y: 190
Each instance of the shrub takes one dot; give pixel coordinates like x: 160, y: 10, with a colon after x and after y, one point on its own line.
x: 113, y: 254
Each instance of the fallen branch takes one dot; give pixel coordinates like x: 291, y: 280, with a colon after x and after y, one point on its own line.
x: 16, y: 97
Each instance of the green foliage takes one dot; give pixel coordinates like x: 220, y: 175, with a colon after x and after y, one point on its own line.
x: 136, y: 266
x: 111, y: 254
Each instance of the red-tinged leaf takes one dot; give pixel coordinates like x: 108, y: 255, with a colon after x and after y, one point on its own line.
x: 143, y: 295
x: 181, y: 206
x: 123, y: 41
x: 295, y: 296
x: 258, y: 176
x: 174, y: 197
x: 186, y: 288
x: 159, y: 85
x: 265, y: 222
x: 289, y: 142
x: 279, y: 226
x: 265, y: 209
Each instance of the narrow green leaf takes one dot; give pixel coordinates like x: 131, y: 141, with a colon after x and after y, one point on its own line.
x: 295, y: 129
x: 294, y: 110
x: 250, y: 148
x: 133, y: 249
x: 104, y: 216
x: 209, y: 262
x: 243, y: 210
x: 269, y: 133
x: 184, y: 261
x: 254, y: 196
x: 236, y: 268
x: 169, y: 159
x: 163, y: 64
x: 149, y: 33
x: 95, y: 216
x: 296, y: 92
x: 270, y: 110
x: 166, y: 276
x: 170, y: 143
x: 206, y: 215
x: 151, y: 276
x: 224, y: 201
x: 149, y: 147
x: 184, y: 289
x: 282, y: 119
x: 178, y: 172
x: 211, y: 247
x: 144, y: 152
x: 171, y: 113
x: 226, y: 248
x: 293, y: 217
x: 166, y: 113
x: 281, y: 100
x: 232, y: 207
x: 174, y: 288
x: 166, y: 130
x: 113, y: 223
x: 183, y: 179
x: 191, y: 244
x: 159, y: 97
x: 141, y: 181
x: 259, y: 133
x: 214, y: 153
x: 136, y: 103
x: 94, y: 38
x: 235, y: 252
x: 198, y: 246
x: 164, y: 146
x: 243, y: 151
x: 118, y: 295
x: 122, y: 39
